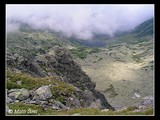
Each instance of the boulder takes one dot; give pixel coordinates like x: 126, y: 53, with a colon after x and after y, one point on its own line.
x: 27, y: 100
x: 61, y: 64
x: 136, y: 95
x: 44, y: 92
x: 87, y: 95
x: 9, y: 100
x: 58, y: 105
x: 105, y: 110
x: 35, y: 97
x: 37, y: 102
x: 103, y: 100
x: 73, y: 102
x: 148, y: 101
x: 55, y: 107
x: 13, y: 90
x: 19, y: 94
x: 96, y: 104
x: 7, y: 91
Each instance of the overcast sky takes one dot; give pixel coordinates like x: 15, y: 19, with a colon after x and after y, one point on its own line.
x: 80, y: 21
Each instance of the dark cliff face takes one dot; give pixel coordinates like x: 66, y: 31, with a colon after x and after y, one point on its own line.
x: 59, y: 62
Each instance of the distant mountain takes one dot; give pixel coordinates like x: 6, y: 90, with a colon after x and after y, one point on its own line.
x: 144, y: 29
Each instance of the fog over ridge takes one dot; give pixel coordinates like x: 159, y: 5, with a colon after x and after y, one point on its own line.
x: 80, y: 21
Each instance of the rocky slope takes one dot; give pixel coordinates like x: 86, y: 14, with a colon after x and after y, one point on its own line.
x: 41, y: 71
x: 58, y: 63
x: 123, y: 70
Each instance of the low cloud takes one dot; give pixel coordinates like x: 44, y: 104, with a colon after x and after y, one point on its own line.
x: 80, y: 21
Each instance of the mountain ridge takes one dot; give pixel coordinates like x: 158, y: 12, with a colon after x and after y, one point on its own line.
x: 45, y: 54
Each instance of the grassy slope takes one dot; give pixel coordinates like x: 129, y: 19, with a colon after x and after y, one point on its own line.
x: 123, y: 66
x: 33, y: 43
x: 30, y: 109
x: 59, y: 88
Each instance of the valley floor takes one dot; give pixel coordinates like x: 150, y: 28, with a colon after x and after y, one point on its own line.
x: 123, y: 72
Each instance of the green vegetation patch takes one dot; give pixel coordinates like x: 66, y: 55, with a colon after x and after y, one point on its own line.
x: 25, y: 109
x: 82, y: 52
x: 60, y: 89
x: 137, y: 58
x: 29, y: 44
x: 38, y: 110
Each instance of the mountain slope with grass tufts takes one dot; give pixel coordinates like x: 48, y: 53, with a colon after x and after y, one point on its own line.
x: 124, y: 69
x: 56, y: 75
x: 40, y: 71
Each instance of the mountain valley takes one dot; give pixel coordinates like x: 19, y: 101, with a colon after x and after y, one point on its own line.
x: 112, y: 73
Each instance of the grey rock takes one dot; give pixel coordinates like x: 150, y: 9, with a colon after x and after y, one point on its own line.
x: 88, y: 96
x: 33, y: 94
x: 7, y: 91
x: 44, y: 92
x: 13, y: 90
x: 51, y: 101
x: 16, y: 101
x: 59, y: 105
x: 137, y: 110
x: 27, y: 100
x: 105, y: 110
x: 24, y: 94
x: 103, y: 99
x: 96, y: 104
x: 76, y: 102
x: 148, y: 101
x: 73, y: 102
x: 136, y: 95
x: 142, y: 107
x: 55, y: 107
x: 38, y: 102
x: 19, y: 82
x: 35, y: 97
x: 9, y: 100
x: 31, y: 102
x: 19, y: 94
x: 76, y: 114
x: 59, y: 63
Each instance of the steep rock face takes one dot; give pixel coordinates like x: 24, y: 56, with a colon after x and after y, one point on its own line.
x: 58, y: 62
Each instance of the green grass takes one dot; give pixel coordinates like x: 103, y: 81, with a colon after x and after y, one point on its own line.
x: 60, y: 89
x: 131, y: 108
x: 12, y: 85
x: 82, y: 52
x: 80, y: 111
x: 136, y: 58
x: 29, y: 44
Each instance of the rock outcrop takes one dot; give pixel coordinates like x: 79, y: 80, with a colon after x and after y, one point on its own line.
x: 147, y: 101
x: 19, y: 94
x: 44, y: 92
x: 59, y: 62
